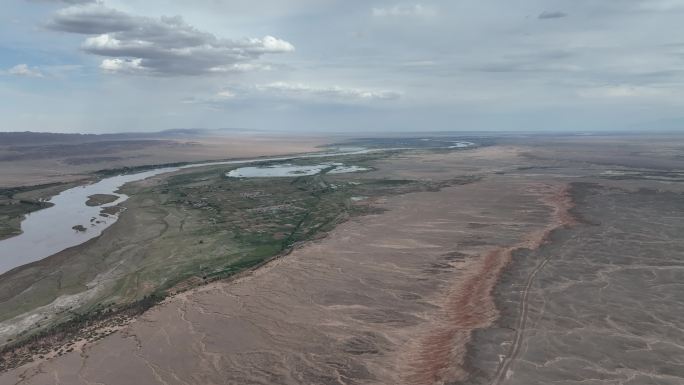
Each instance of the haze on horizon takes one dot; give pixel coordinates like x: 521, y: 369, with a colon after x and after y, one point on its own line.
x: 334, y: 65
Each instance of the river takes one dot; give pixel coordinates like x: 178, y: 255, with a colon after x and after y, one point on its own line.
x: 50, y: 230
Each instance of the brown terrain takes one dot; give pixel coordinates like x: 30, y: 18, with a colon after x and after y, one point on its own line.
x: 68, y: 157
x: 560, y: 263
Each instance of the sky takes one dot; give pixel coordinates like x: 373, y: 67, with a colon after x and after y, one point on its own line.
x: 341, y: 65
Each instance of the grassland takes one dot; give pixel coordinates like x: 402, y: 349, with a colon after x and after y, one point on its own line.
x: 100, y: 199
x: 236, y: 223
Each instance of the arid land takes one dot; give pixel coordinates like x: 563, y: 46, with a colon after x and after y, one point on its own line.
x: 43, y: 158
x: 36, y: 166
x: 527, y: 260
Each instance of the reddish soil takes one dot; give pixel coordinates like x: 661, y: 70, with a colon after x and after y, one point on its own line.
x: 469, y: 304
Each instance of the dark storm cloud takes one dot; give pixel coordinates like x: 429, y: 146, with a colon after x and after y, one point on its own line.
x: 552, y: 15
x: 164, y: 46
x: 92, y: 20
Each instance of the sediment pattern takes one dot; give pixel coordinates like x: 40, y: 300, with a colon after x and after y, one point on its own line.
x: 601, y: 301
x: 550, y: 268
x: 469, y: 304
x: 606, y: 308
x: 342, y: 310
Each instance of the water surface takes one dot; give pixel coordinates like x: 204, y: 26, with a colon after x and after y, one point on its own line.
x: 50, y: 230
x: 290, y: 170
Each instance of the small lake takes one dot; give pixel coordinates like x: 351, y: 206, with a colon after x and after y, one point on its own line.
x: 290, y: 170
x: 461, y: 144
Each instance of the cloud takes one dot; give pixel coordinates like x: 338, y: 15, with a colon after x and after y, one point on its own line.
x: 553, y: 60
x: 117, y: 65
x: 299, y: 90
x: 165, y: 46
x: 226, y: 94
x: 620, y: 92
x: 284, y: 92
x: 452, y: 61
x: 64, y: 1
x: 93, y: 19
x: 242, y: 67
x: 661, y: 5
x: 552, y: 15
x: 403, y: 10
x: 25, y: 70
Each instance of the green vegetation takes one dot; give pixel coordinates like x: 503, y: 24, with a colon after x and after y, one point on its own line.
x: 100, y: 199
x: 254, y: 219
x: 251, y: 220
x: 190, y: 228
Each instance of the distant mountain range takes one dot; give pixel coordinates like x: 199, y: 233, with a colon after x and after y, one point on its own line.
x: 38, y: 138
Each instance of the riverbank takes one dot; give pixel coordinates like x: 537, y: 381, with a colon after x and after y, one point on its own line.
x: 183, y: 229
x: 368, y: 288
x: 17, y: 202
x: 67, y: 159
x: 46, y: 232
x: 411, y: 242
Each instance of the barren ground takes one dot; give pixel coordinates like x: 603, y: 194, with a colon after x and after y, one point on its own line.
x: 557, y: 265
x: 344, y: 309
x: 23, y: 165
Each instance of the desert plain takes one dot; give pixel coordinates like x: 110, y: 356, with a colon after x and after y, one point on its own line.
x: 522, y: 259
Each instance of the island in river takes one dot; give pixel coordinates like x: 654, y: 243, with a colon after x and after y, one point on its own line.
x: 100, y: 199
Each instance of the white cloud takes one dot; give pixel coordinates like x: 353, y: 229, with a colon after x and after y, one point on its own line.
x: 620, y: 92
x: 226, y: 94
x: 404, y: 10
x: 64, y: 1
x: 268, y: 44
x: 165, y: 46
x: 284, y: 92
x: 131, y: 66
x: 242, y: 67
x: 661, y: 5
x: 299, y: 90
x: 25, y: 70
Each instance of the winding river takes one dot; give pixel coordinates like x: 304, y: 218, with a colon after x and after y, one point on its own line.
x: 51, y: 230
